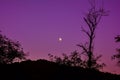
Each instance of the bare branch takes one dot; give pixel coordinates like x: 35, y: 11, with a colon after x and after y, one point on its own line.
x: 83, y: 47
x: 85, y: 31
x: 88, y: 23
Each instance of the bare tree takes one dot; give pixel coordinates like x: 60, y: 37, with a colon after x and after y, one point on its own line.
x: 92, y: 18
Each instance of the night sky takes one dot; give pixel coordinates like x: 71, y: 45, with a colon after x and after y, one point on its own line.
x: 40, y: 25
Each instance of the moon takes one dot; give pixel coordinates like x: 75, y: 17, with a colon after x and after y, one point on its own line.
x: 60, y: 39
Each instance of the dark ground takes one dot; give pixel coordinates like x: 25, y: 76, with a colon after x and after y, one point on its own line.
x: 45, y: 70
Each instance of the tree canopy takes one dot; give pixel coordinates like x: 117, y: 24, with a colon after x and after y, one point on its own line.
x: 10, y: 50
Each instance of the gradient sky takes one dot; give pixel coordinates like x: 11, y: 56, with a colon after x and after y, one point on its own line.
x: 38, y: 24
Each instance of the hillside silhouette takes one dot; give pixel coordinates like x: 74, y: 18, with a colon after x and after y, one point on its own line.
x: 46, y: 70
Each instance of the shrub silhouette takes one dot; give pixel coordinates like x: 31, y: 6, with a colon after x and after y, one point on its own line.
x: 74, y: 59
x: 10, y: 50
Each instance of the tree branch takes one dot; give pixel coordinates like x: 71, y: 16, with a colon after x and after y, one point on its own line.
x: 83, y: 47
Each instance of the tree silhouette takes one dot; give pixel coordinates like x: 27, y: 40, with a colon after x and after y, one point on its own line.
x: 10, y: 50
x: 117, y: 56
x: 92, y: 18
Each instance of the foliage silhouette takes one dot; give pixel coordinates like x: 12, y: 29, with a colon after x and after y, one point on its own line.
x: 117, y: 56
x: 117, y: 38
x: 92, y: 18
x: 10, y: 51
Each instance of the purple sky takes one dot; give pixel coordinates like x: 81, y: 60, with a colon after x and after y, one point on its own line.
x: 38, y: 24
